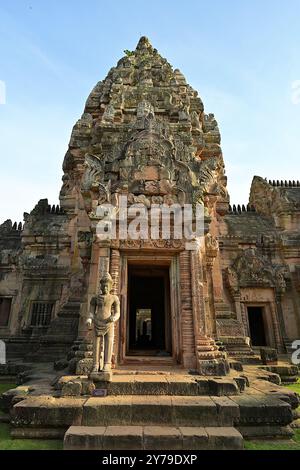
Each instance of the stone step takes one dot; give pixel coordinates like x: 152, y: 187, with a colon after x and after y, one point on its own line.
x: 152, y: 410
x: 247, y: 412
x: 164, y: 385
x: 152, y: 438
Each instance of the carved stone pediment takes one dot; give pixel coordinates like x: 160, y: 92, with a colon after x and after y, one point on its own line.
x: 251, y: 269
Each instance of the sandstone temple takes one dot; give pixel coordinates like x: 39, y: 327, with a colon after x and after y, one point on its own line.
x: 144, y: 134
x: 199, y: 329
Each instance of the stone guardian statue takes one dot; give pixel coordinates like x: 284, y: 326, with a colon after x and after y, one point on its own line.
x: 104, y: 312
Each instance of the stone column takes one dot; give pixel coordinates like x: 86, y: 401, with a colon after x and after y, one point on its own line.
x: 239, y: 313
x: 186, y: 317
x: 115, y: 274
x: 276, y: 327
x: 210, y: 293
x: 284, y: 337
x: 210, y: 361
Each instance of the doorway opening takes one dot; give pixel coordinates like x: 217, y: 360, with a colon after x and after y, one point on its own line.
x: 257, y: 326
x: 149, y: 322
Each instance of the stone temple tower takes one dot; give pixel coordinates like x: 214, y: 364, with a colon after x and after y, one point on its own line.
x: 221, y: 299
x: 144, y: 135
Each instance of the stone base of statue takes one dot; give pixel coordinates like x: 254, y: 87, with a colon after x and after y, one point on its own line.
x: 103, y: 376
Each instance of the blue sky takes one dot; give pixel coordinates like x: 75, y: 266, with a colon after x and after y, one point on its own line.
x: 242, y: 56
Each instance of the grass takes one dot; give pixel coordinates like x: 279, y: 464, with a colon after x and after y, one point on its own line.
x: 295, y: 387
x: 8, y: 443
x: 6, y: 386
x: 291, y: 444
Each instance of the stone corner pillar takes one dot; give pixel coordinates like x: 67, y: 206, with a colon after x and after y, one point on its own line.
x: 209, y: 360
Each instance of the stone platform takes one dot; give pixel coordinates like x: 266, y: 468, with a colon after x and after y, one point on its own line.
x: 147, y: 409
x: 149, y: 382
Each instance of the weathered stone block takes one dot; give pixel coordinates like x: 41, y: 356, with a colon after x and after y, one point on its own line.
x: 221, y: 387
x: 151, y: 385
x: 194, y: 438
x: 162, y: 438
x: 68, y: 378
x: 84, y: 438
x: 101, y: 377
x: 48, y: 411
x: 149, y: 409
x: 84, y: 366
x: 194, y: 411
x: 71, y: 389
x: 269, y: 356
x: 88, y: 387
x: 228, y: 411
x: 119, y: 438
x: 107, y: 411
x: 241, y: 383
x: 224, y: 438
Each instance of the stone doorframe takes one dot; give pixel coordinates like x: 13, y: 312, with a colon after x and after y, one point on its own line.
x: 269, y: 319
x: 138, y: 257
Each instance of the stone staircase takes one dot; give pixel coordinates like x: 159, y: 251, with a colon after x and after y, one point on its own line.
x: 156, y: 422
x: 163, y: 411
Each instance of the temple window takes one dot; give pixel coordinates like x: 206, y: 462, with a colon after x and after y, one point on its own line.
x: 41, y: 313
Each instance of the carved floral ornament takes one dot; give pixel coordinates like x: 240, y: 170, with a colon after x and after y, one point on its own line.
x: 148, y: 244
x: 253, y: 269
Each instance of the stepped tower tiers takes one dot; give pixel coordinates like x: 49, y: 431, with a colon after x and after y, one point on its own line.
x: 144, y: 138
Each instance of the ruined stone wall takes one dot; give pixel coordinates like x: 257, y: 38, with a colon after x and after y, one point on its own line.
x: 260, y: 258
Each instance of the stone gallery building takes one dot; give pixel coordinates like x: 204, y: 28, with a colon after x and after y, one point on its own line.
x: 144, y: 135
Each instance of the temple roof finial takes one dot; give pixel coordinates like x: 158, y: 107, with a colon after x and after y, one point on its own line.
x: 143, y: 43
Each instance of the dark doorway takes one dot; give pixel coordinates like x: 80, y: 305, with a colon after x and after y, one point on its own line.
x: 257, y: 327
x: 5, y: 306
x: 149, y: 311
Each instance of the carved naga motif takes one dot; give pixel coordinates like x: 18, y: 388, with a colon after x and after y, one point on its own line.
x: 94, y: 173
